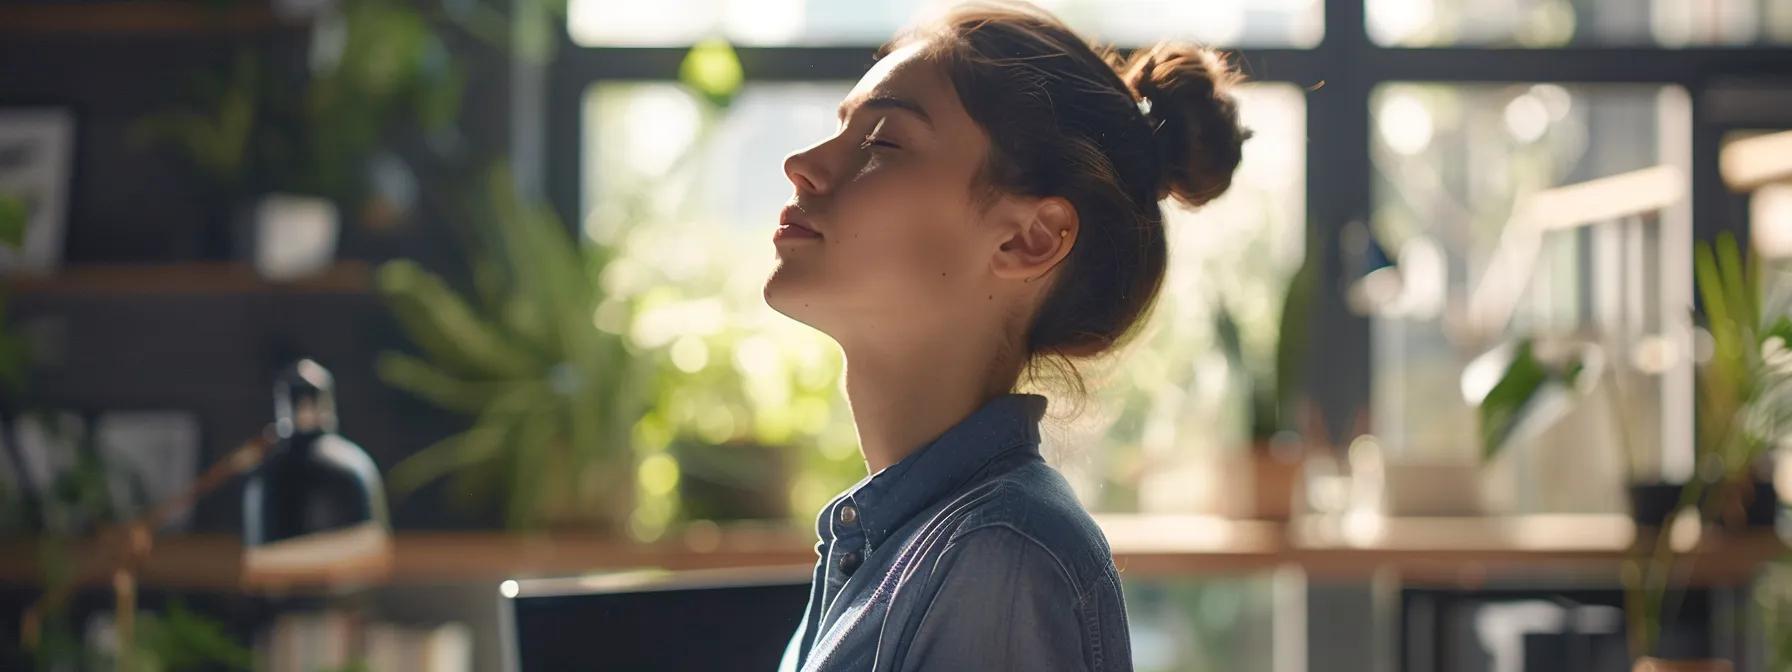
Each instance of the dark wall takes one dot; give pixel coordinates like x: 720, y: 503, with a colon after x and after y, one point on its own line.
x: 128, y: 202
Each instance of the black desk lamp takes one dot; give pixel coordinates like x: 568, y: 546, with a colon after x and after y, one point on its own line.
x: 316, y: 501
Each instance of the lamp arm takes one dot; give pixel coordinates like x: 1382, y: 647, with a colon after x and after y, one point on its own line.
x: 240, y: 461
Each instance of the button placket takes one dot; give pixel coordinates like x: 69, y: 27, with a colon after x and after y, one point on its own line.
x: 850, y: 537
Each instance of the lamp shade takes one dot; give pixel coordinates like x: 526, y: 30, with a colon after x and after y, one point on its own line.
x: 315, y: 504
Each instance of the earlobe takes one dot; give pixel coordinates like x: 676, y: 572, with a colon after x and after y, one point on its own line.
x: 1041, y: 237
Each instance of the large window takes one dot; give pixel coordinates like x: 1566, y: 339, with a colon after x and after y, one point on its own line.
x: 1417, y: 120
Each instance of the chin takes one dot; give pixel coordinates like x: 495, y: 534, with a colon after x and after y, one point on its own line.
x: 787, y: 294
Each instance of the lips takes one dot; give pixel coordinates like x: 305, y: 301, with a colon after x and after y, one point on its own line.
x: 791, y: 224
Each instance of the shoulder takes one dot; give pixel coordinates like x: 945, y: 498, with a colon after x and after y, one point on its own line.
x: 998, y: 599
x: 1031, y: 511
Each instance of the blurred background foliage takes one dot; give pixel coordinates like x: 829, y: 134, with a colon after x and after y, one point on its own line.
x: 584, y: 359
x: 552, y: 395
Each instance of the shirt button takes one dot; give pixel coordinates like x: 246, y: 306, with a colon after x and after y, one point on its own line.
x: 848, y: 513
x: 849, y: 561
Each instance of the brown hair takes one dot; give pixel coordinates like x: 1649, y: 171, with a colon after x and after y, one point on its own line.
x: 1113, y: 135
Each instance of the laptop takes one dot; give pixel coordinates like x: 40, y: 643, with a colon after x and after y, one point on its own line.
x: 736, y: 619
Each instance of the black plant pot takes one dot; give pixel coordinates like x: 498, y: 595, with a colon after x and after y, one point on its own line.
x: 1652, y: 503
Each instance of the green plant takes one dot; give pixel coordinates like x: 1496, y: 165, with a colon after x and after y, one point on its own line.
x: 63, y: 511
x: 1744, y: 408
x: 705, y: 385
x: 215, y: 135
x: 1745, y: 400
x: 1519, y: 390
x: 1274, y: 390
x: 69, y: 507
x: 76, y: 504
x: 554, y: 397
x: 376, y: 68
x: 741, y: 396
x: 391, y: 70
x: 1530, y: 386
x: 15, y: 356
x: 15, y: 212
x: 1744, y: 403
x: 180, y: 639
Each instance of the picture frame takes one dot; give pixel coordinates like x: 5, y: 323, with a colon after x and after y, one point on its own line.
x: 37, y: 156
x: 143, y: 457
x: 151, y: 456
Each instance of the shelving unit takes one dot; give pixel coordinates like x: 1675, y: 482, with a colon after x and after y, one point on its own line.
x: 1445, y: 552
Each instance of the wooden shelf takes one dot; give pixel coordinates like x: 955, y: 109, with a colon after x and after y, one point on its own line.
x: 214, y: 562
x: 345, y: 277
x: 139, y: 17
x: 1457, y: 552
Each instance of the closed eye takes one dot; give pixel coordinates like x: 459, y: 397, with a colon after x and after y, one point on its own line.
x: 873, y: 141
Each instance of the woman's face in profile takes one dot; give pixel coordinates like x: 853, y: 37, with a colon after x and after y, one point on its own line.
x: 883, y: 232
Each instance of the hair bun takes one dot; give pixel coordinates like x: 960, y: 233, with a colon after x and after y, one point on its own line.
x: 1188, y: 92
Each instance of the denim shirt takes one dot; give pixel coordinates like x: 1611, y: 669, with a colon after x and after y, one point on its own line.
x: 969, y: 554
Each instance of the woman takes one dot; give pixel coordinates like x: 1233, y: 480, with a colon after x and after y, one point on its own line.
x: 988, y: 211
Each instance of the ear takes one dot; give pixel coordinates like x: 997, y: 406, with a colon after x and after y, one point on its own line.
x: 1039, y: 236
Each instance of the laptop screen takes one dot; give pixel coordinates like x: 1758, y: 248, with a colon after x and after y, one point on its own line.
x: 694, y: 620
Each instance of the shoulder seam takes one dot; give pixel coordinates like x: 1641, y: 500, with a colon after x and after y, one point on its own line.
x: 1063, y: 570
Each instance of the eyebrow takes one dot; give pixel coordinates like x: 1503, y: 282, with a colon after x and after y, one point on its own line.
x: 892, y: 103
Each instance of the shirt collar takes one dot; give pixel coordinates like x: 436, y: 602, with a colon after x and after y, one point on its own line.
x: 887, y: 499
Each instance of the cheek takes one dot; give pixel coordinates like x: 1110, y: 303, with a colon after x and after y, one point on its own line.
x: 909, y: 239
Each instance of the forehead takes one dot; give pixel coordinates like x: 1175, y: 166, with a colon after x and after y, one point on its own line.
x: 906, y: 73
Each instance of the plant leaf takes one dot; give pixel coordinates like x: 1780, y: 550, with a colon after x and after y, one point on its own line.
x: 1503, y: 408
x: 480, y: 444
x: 424, y: 380
x: 1736, y: 285
x: 441, y: 321
x: 14, y: 214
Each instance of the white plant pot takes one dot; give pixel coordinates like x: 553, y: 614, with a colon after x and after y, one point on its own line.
x: 294, y: 236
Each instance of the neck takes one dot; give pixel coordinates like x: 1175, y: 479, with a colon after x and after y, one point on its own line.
x: 904, y: 396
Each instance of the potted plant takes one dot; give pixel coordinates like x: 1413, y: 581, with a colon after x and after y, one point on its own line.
x: 1744, y: 397
x: 554, y: 397
x: 291, y: 151
x: 77, y: 504
x: 1745, y: 400
x: 1275, y: 396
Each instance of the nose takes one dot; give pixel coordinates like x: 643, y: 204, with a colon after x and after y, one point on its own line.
x: 806, y: 171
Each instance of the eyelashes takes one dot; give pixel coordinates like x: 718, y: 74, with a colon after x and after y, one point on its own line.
x: 872, y: 140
